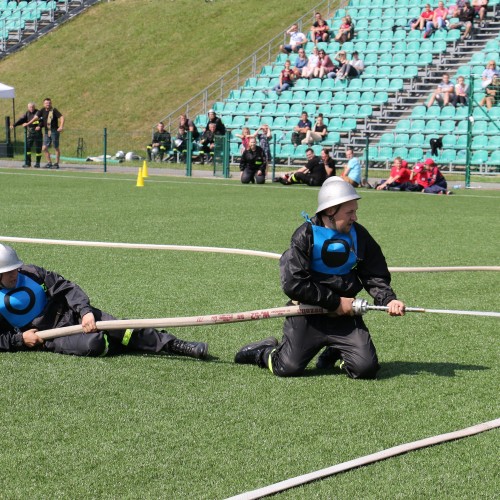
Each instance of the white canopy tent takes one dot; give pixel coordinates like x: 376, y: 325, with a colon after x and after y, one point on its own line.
x: 7, y: 92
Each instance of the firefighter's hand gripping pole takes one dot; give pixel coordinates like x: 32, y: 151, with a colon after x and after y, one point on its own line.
x: 361, y: 306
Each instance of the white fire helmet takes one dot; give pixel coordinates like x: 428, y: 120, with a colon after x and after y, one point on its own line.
x: 120, y: 155
x: 8, y: 259
x: 335, y: 191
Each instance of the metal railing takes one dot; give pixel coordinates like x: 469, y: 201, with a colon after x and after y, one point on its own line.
x: 247, y: 68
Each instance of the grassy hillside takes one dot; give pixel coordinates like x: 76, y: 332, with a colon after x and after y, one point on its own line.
x: 127, y: 63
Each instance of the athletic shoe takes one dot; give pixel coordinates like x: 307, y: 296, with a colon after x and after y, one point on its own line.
x: 37, y: 165
x: 196, y: 350
x: 26, y: 166
x: 49, y: 165
x: 328, y: 358
x: 55, y: 166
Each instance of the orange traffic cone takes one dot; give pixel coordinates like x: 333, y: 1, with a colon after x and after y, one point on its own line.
x: 145, y: 169
x: 140, y: 179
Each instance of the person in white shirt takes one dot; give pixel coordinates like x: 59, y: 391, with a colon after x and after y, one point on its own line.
x: 297, y: 40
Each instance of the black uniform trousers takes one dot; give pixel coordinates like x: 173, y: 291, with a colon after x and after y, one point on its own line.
x: 147, y: 340
x: 33, y: 138
x: 305, y: 336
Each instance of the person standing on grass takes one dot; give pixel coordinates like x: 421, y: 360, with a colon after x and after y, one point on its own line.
x: 33, y: 299
x: 330, y: 260
x: 53, y: 121
x: 34, y: 135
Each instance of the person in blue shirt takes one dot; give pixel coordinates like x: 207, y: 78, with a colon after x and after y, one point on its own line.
x: 352, y: 170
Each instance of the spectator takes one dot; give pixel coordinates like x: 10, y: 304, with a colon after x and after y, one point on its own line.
x: 349, y: 69
x: 286, y: 79
x: 439, y: 17
x: 436, y: 183
x: 264, y: 135
x: 465, y: 16
x: 312, y: 64
x: 50, y: 301
x: 297, y: 40
x: 419, y: 179
x: 480, y: 7
x: 34, y: 135
x: 189, y: 126
x: 424, y: 22
x: 489, y: 73
x: 220, y: 128
x: 53, y: 121
x: 461, y: 92
x: 300, y: 131
x: 161, y: 143
x: 328, y: 162
x: 180, y: 144
x: 300, y: 63
x: 400, y: 173
x: 444, y: 93
x: 346, y: 30
x: 208, y: 143
x: 453, y: 10
x: 313, y: 173
x: 317, y: 134
x: 253, y: 164
x: 352, y: 170
x: 326, y: 65
x: 321, y: 32
x: 491, y: 92
x: 322, y: 268
x: 245, y: 137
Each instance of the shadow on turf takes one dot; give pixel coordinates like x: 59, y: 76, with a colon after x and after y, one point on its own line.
x: 397, y: 368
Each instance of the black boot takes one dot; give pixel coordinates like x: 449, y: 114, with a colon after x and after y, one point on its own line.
x: 251, y: 354
x: 196, y: 350
x: 328, y: 358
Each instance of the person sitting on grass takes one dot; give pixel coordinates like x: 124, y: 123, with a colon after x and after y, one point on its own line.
x: 34, y: 299
x: 400, y: 173
x: 352, y: 169
x: 313, y: 173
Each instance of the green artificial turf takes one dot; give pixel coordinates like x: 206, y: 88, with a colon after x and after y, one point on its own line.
x: 139, y: 426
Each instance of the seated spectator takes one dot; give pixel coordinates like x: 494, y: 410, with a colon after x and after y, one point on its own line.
x: 208, y: 142
x: 419, y: 179
x: 328, y: 162
x: 300, y: 131
x: 453, y: 10
x: 444, y: 93
x: 491, y: 93
x: 161, y: 143
x: 264, y: 135
x: 312, y: 64
x: 461, y: 92
x: 400, y: 173
x: 297, y: 40
x: 300, y: 63
x: 349, y: 69
x: 220, y: 128
x: 180, y: 144
x: 317, y: 133
x: 425, y: 21
x: 245, y: 137
x: 465, y: 16
x: 480, y: 7
x: 352, y: 170
x: 287, y: 76
x: 436, y: 183
x: 489, y: 73
x: 321, y: 32
x: 326, y: 65
x: 440, y: 16
x: 189, y: 125
x: 346, y: 30
x: 253, y: 164
x: 313, y: 173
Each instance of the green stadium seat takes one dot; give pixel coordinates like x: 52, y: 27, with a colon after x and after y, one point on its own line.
x: 447, y: 113
x: 494, y: 158
x: 349, y: 124
x: 449, y: 141
x: 242, y: 108
x: 371, y: 59
x: 269, y: 109
x: 383, y: 154
x: 385, y: 59
x: 479, y: 157
x: 325, y: 96
x: 365, y: 111
x: 447, y: 156
x: 348, y: 47
x: 229, y: 107
x: 385, y: 47
x: 287, y: 95
x: 360, y: 47
x: 477, y: 58
x: 424, y: 59
x: 311, y: 96
x: 328, y: 84
x: 433, y: 112
x: 401, y: 140
x: 335, y: 125
x: 301, y: 84
x: 396, y: 85
x: 386, y: 139
x: 287, y: 151
x: 296, y: 96
x: 372, y: 47
x: 452, y: 36
x: 374, y: 36
x: 399, y: 46
x: 325, y: 110
x: 279, y: 123
x: 246, y: 95
x: 295, y: 109
x: 416, y: 141
x: 291, y: 123
x: 419, y: 112
x: 400, y: 34
x: 331, y: 139
x: 339, y: 97
x: 260, y: 96
x: 413, y: 46
x: 492, y: 46
x: 415, y: 154
x: 227, y: 120
x: 492, y: 56
x: 351, y: 110
x: 238, y: 121
x: 254, y: 121
x: 493, y: 128
x: 461, y: 113
x: 367, y: 97
x: 479, y: 127
x: 432, y: 126
x: 414, y: 35
x: 404, y: 126
x: 366, y: 84
x: 254, y: 109
x: 479, y: 142
x: 337, y: 110
x: 411, y: 71
x: 300, y: 152
x: 418, y: 126
x: 379, y: 99
x: 447, y: 127
x: 402, y: 152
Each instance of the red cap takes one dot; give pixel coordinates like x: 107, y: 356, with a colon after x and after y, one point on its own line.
x: 429, y: 161
x: 404, y: 163
x: 418, y: 167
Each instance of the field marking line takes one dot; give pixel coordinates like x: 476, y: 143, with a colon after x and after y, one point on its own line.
x: 366, y: 460
x: 235, y: 251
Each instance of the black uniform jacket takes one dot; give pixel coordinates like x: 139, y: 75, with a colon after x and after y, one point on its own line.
x: 66, y: 304
x: 254, y: 160
x: 300, y: 283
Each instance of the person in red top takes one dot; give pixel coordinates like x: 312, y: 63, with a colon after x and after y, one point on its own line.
x: 425, y: 21
x: 436, y: 183
x: 287, y: 77
x: 400, y: 173
x: 418, y: 179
